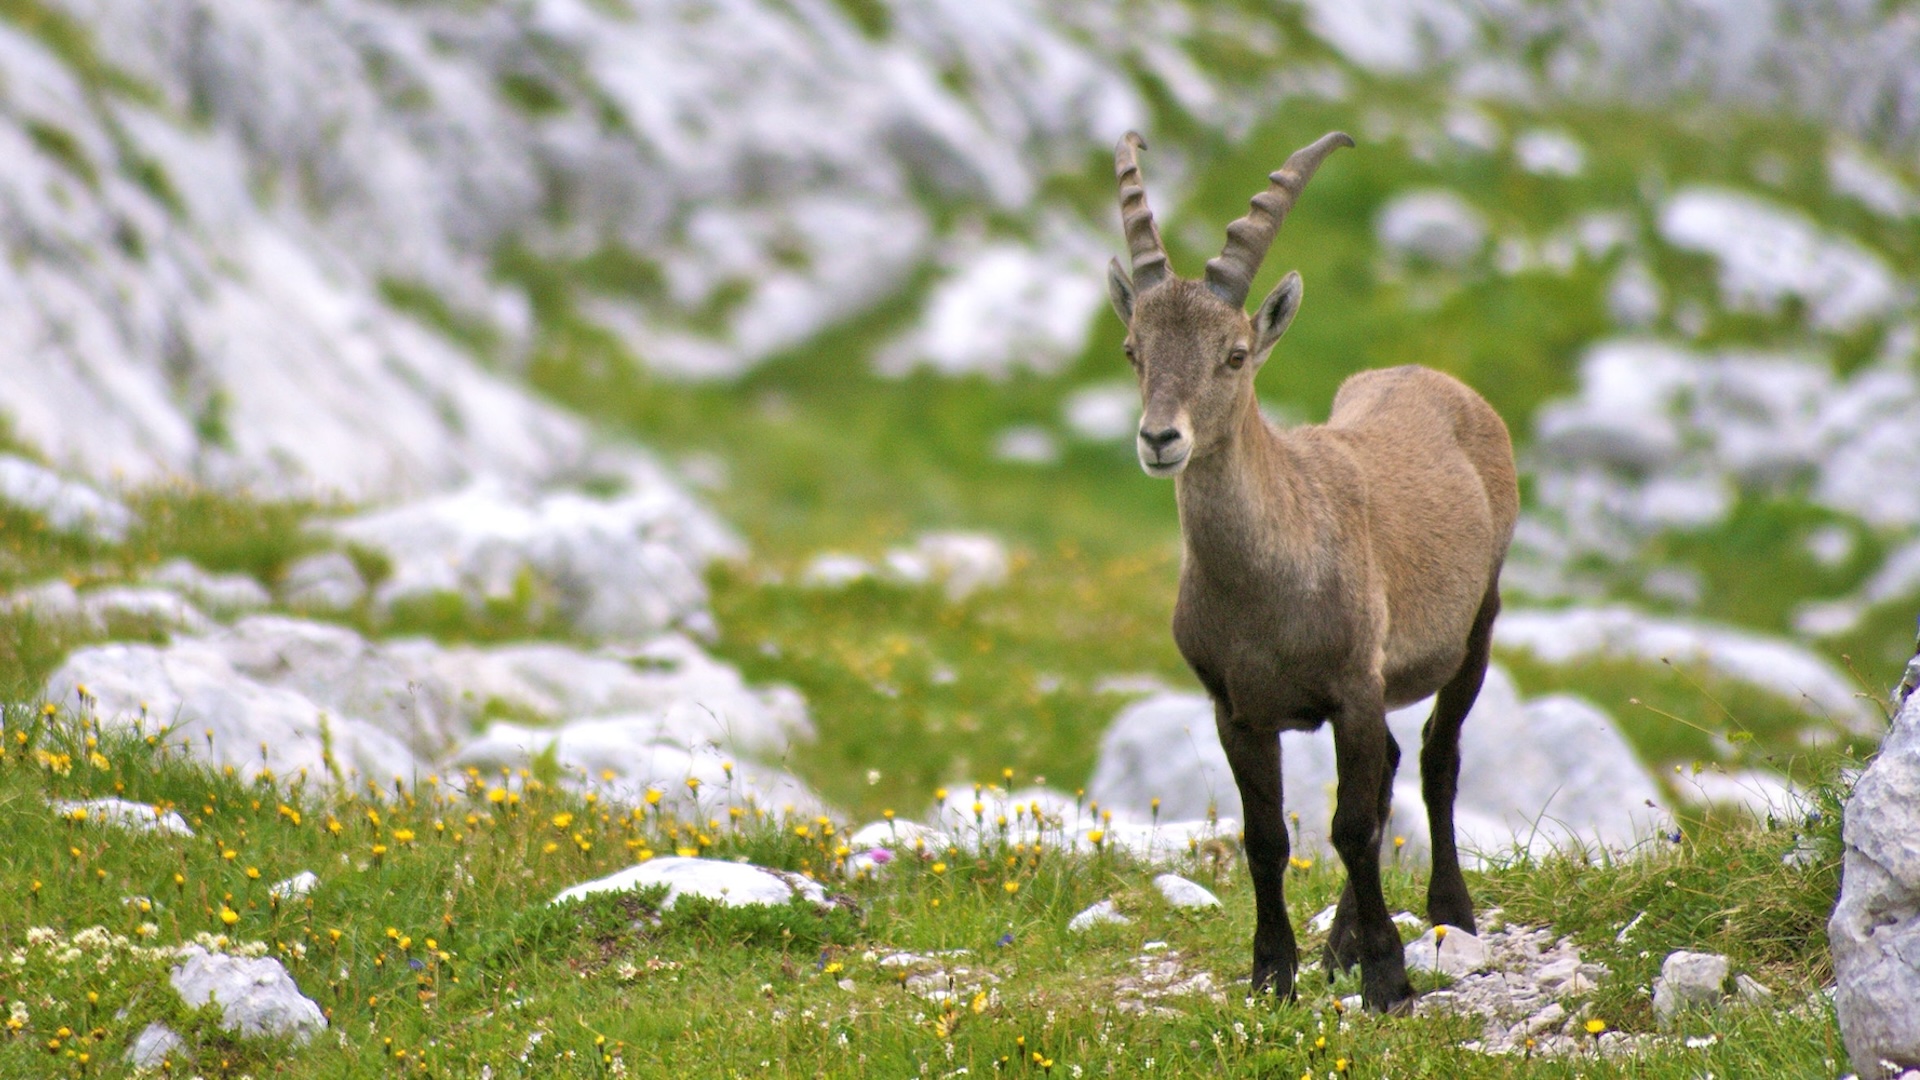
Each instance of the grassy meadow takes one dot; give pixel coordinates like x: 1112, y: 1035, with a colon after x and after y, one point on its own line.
x: 429, y: 940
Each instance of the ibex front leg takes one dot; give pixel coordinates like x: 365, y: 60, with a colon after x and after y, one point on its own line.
x: 1360, y: 746
x: 1255, y: 759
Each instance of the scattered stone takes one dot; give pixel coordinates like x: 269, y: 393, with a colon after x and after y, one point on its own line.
x: 1157, y: 977
x: 325, y: 581
x: 256, y: 996
x: 1103, y: 913
x: 295, y: 887
x: 835, y: 570
x: 1323, y: 922
x: 1689, y: 980
x: 1875, y: 928
x: 733, y: 884
x: 1448, y: 950
x: 155, y: 1044
x: 1751, y: 991
x: 1514, y: 993
x: 66, y: 506
x: 1550, y: 153
x: 140, y: 817
x: 1437, y: 226
x: 963, y: 562
x: 1181, y: 893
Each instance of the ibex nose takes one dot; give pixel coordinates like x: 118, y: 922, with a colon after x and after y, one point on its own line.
x: 1159, y: 440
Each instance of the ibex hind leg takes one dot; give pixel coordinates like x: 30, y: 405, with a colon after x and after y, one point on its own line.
x: 1447, y: 898
x: 1343, y: 944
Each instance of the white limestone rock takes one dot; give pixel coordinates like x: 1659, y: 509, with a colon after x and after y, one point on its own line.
x: 1689, y: 980
x: 1182, y: 893
x: 1436, y: 226
x: 1450, y: 952
x: 221, y: 715
x: 65, y: 505
x: 139, y: 817
x: 154, y: 1046
x: 1768, y: 253
x: 627, y: 757
x: 324, y: 581
x: 225, y: 595
x: 1007, y: 307
x: 653, y: 714
x: 1875, y: 928
x: 1103, y: 913
x: 99, y: 608
x: 730, y: 883
x: 256, y: 996
x: 295, y: 887
x: 962, y: 562
x: 620, y: 567
x: 1617, y: 632
x: 1545, y: 152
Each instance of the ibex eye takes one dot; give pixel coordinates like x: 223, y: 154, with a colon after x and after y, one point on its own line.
x: 1236, y: 358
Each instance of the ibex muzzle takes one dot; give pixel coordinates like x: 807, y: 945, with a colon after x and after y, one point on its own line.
x: 1331, y: 572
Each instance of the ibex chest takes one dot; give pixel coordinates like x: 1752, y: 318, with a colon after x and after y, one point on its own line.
x: 1277, y: 647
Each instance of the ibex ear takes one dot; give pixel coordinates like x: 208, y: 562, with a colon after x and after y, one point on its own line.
x: 1120, y: 291
x: 1276, y: 313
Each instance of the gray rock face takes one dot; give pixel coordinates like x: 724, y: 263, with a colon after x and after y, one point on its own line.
x: 1875, y: 929
x: 1534, y: 775
x: 1689, y: 980
x: 256, y: 996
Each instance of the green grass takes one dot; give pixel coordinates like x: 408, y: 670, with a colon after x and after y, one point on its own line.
x: 430, y: 944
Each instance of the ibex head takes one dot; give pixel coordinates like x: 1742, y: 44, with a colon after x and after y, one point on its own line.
x: 1192, y: 344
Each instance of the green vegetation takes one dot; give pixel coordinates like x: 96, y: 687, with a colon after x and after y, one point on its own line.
x: 430, y: 946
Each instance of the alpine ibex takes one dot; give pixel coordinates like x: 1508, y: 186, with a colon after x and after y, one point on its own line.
x: 1330, y: 573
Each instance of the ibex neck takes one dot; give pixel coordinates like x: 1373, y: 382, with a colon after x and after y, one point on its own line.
x: 1238, y: 502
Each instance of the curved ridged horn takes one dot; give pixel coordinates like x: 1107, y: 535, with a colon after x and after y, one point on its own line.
x: 1150, y: 266
x: 1231, y: 274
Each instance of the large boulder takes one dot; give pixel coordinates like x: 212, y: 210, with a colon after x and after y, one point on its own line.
x: 651, y: 715
x: 620, y: 567
x: 1875, y: 928
x: 1534, y: 775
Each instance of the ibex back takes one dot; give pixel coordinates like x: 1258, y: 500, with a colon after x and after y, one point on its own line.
x: 1331, y: 572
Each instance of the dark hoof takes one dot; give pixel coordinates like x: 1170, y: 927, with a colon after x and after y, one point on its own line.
x: 1275, y: 979
x: 1384, y: 987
